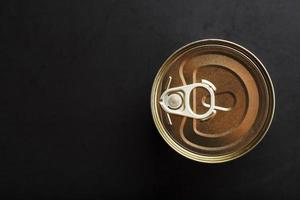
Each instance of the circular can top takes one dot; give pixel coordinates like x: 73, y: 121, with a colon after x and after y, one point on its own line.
x: 212, y: 101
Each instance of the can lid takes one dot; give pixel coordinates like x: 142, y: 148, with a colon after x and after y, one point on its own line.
x: 212, y: 100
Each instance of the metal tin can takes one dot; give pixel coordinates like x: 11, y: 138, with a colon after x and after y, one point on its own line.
x: 212, y: 101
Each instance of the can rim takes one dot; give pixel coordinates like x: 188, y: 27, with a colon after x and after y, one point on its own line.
x: 219, y: 158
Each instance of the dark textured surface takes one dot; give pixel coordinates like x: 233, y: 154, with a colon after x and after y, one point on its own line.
x: 75, y: 98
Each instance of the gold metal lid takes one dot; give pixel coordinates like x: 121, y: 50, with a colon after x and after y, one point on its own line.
x: 212, y: 101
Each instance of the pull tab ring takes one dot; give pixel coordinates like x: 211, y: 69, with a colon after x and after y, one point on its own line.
x: 177, y: 100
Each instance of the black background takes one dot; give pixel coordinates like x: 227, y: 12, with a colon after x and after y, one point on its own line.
x: 75, y: 115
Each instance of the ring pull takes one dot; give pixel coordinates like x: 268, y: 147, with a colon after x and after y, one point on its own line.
x: 177, y: 101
